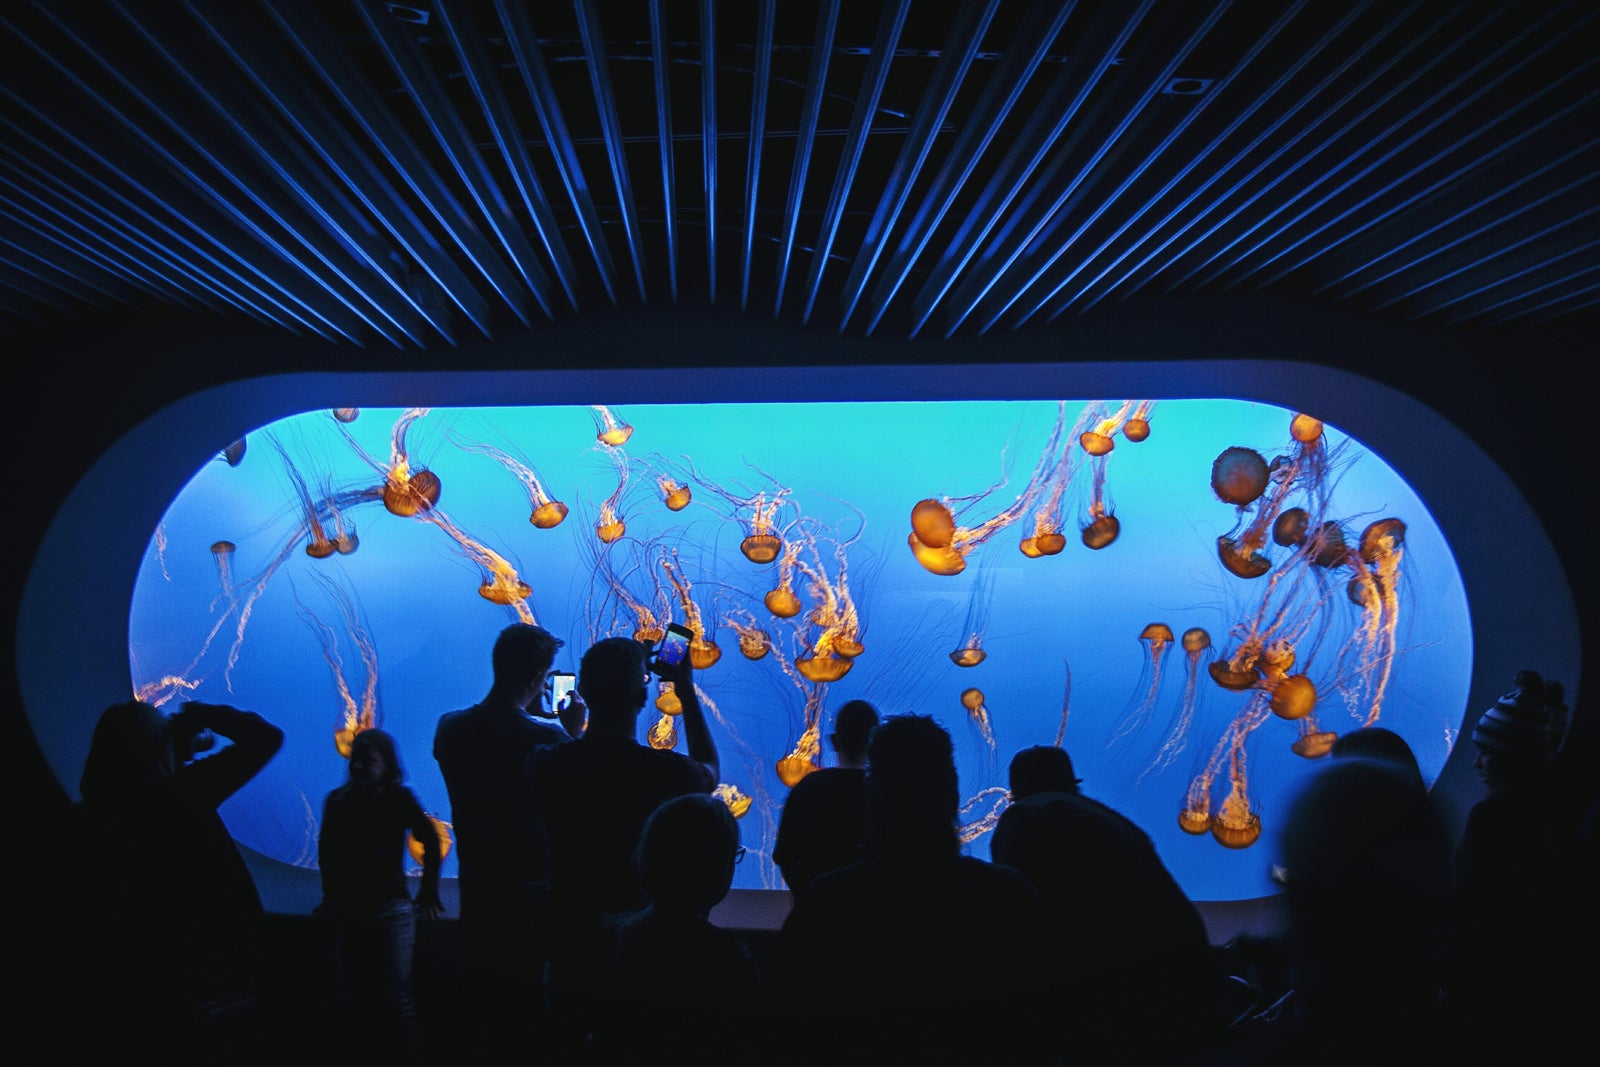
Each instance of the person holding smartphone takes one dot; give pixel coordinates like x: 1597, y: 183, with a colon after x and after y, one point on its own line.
x: 594, y: 796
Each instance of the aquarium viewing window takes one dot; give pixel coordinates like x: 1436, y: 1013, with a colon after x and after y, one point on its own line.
x: 1193, y: 596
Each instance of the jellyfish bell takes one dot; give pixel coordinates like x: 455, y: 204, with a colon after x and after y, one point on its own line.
x: 1192, y: 821
x: 1241, y: 558
x: 442, y: 828
x: 1136, y: 430
x: 761, y: 548
x: 754, y: 645
x: 1327, y: 546
x: 346, y: 543
x: 1305, y: 429
x: 792, y: 768
x: 1029, y: 546
x: 703, y: 653
x: 1365, y: 591
x: 1096, y: 444
x: 1101, y: 532
x: 972, y: 699
x: 1315, y: 745
x: 223, y: 548
x: 409, y: 495
x: 609, y: 532
x: 667, y: 701
x: 945, y: 561
x: 664, y: 733
x: 615, y: 436
x: 649, y: 635
x: 1195, y: 639
x: 933, y: 524
x: 1158, y: 633
x: 1381, y: 538
x: 548, y: 516
x: 505, y: 592
x: 346, y: 414
x: 1236, y: 830
x: 782, y: 602
x: 1289, y: 529
x: 677, y: 498
x: 1234, y: 680
x: 321, y: 547
x: 234, y: 453
x: 846, y: 646
x: 1293, y: 696
x: 738, y: 803
x: 1050, y: 544
x: 823, y: 669
x: 968, y: 657
x: 1239, y: 475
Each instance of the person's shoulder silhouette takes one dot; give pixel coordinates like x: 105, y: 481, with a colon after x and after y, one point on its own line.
x: 823, y: 820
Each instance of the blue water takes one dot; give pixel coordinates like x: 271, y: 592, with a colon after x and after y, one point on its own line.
x: 1061, y: 632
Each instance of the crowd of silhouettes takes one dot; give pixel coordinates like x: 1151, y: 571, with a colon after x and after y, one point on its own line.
x: 591, y: 864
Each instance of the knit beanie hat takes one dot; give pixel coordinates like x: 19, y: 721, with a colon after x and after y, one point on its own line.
x: 1519, y: 722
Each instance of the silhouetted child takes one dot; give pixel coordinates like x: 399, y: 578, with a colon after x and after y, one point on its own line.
x: 172, y: 914
x: 824, y: 817
x: 678, y: 989
x: 1380, y: 743
x: 361, y: 851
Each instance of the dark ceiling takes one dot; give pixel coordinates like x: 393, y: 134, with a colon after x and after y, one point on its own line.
x: 410, y: 174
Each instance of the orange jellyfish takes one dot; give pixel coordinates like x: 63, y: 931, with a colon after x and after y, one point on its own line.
x: 610, y: 525
x: 503, y: 585
x: 1369, y: 654
x: 1137, y: 428
x: 319, y: 545
x: 1236, y: 824
x: 802, y: 760
x: 674, y: 495
x: 941, y: 544
x: 1239, y: 476
x: 1314, y: 744
x: 782, y: 600
x: 970, y: 654
x: 545, y: 512
x: 346, y: 414
x: 1195, y: 642
x: 703, y: 652
x: 738, y: 803
x: 837, y: 640
x: 446, y: 840
x: 667, y: 700
x: 610, y: 430
x: 978, y: 714
x: 222, y: 552
x: 1157, y: 640
x: 754, y: 642
x: 1101, y: 439
x: 757, y: 513
x: 356, y: 714
x: 407, y: 492
x: 664, y: 734
x: 1100, y: 527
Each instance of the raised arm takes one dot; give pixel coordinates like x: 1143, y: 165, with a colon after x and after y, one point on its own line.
x: 696, y: 734
x: 213, y: 779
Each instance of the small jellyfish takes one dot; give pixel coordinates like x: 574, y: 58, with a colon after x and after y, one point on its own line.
x: 1137, y: 428
x: 978, y: 712
x: 664, y: 734
x: 933, y: 523
x: 1293, y: 696
x: 406, y: 493
x: 1314, y: 744
x: 1305, y: 429
x: 234, y: 453
x: 548, y: 516
x: 738, y: 803
x: 610, y: 430
x: 346, y: 414
x: 703, y: 652
x: 970, y: 654
x: 823, y: 668
x: 803, y: 759
x: 782, y: 602
x: 761, y: 547
x: 754, y: 644
x: 668, y: 701
x: 675, y: 495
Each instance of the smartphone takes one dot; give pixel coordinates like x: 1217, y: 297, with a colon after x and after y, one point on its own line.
x: 675, y: 645
x: 562, y: 683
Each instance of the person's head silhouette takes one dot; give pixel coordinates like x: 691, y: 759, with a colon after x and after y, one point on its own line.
x: 1042, y: 769
x: 686, y: 854
x: 614, y: 680
x: 852, y: 727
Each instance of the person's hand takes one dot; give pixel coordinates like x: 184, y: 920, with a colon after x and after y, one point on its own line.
x: 680, y: 674
x: 575, y: 715
x: 428, y: 907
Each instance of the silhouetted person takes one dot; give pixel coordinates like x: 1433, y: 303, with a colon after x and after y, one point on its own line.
x: 1518, y: 869
x: 678, y: 989
x: 1380, y: 743
x: 824, y: 817
x: 594, y: 795
x: 171, y: 911
x: 504, y: 880
x: 916, y: 953
x: 1136, y: 965
x: 1363, y: 859
x: 361, y: 850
